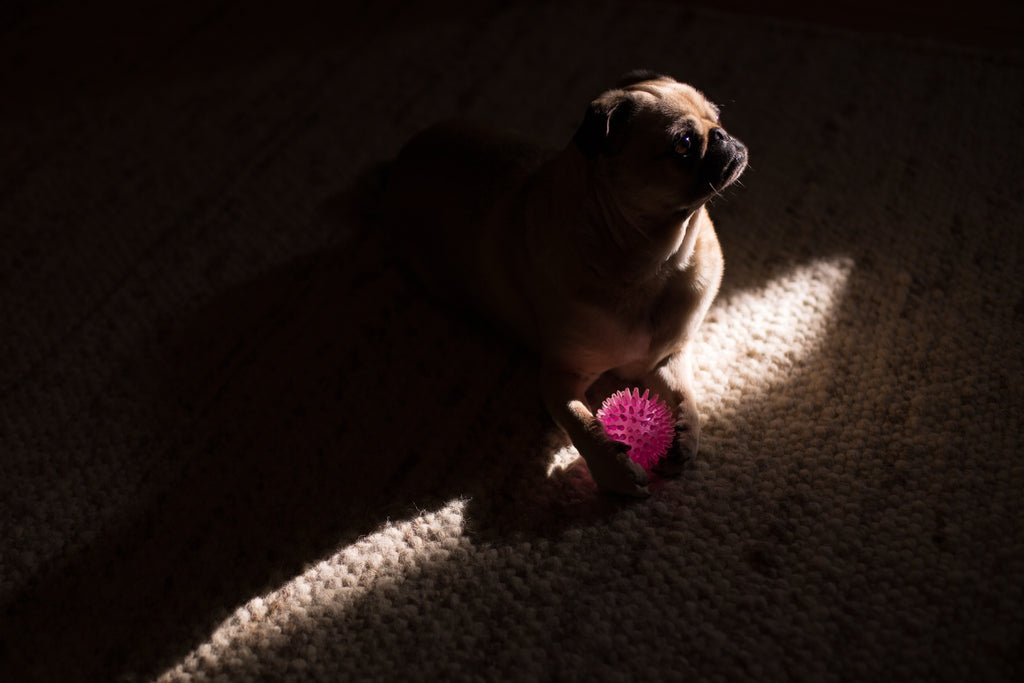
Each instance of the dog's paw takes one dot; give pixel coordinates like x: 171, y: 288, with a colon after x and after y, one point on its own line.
x: 683, y: 450
x: 613, y: 471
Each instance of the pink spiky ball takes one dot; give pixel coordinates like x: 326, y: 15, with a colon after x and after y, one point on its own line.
x: 642, y: 422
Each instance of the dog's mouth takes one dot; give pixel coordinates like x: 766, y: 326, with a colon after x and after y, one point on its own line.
x: 735, y: 167
x: 725, y: 166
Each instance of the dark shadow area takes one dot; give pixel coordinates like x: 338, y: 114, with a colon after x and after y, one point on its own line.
x: 305, y: 408
x: 61, y: 51
x: 71, y: 50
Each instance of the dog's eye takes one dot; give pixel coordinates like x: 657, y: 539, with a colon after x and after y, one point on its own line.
x: 682, y: 146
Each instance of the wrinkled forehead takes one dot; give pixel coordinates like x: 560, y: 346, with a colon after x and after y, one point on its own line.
x: 678, y: 98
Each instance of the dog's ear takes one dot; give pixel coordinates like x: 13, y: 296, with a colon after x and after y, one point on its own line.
x: 604, y: 124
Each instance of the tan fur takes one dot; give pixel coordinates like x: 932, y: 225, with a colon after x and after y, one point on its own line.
x: 602, y: 257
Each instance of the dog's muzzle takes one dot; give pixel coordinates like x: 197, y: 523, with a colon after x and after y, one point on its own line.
x: 724, y: 160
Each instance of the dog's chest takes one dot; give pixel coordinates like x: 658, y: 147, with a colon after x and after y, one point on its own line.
x: 599, y: 344
x: 632, y: 341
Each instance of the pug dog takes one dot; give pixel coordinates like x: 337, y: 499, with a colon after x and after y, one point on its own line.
x: 601, y: 257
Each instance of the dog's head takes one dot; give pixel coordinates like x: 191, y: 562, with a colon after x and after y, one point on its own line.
x: 659, y: 146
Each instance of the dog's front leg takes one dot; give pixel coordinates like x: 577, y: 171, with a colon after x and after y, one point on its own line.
x: 608, y: 461
x: 673, y: 382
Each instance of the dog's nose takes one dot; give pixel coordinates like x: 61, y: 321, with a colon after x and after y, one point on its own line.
x: 717, y: 135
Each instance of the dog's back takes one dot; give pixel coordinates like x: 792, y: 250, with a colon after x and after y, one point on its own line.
x: 440, y: 196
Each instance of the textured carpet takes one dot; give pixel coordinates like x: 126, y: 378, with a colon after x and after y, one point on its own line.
x: 237, y: 444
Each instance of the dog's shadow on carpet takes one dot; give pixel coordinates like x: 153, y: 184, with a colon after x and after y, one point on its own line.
x: 302, y: 410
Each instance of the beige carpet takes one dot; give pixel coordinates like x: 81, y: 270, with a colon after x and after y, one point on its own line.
x: 236, y: 444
